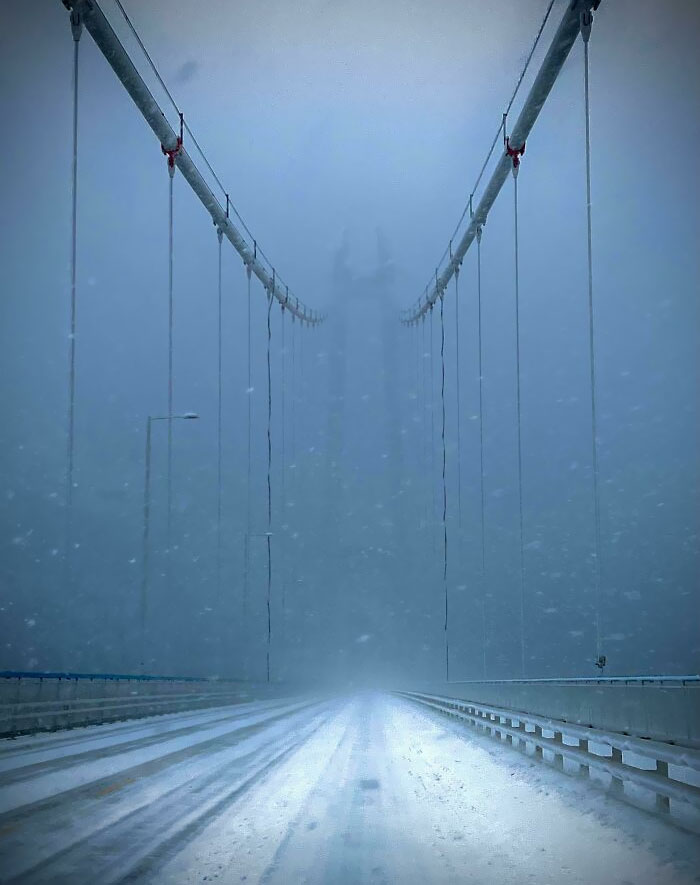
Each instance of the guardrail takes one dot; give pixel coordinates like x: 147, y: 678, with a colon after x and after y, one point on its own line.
x: 663, y: 708
x: 655, y: 775
x: 31, y: 702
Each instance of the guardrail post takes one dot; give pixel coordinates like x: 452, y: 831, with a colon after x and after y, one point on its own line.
x: 662, y: 802
x: 616, y: 785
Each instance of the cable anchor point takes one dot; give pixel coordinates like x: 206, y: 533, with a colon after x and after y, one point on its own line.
x: 171, y: 153
x: 76, y: 24
x: 515, y: 154
x: 586, y: 20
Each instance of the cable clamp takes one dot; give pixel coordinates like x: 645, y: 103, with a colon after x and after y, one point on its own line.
x: 76, y: 24
x: 586, y: 20
x: 515, y: 154
x: 173, y: 152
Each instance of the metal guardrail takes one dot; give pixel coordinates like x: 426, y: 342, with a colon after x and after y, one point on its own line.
x: 32, y: 702
x: 654, y: 774
x: 132, y: 677
x: 585, y: 680
x: 656, y: 707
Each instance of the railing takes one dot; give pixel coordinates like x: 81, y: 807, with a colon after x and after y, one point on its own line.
x: 657, y: 775
x: 662, y: 708
x: 31, y: 702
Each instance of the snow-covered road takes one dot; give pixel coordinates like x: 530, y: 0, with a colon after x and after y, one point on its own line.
x: 367, y: 789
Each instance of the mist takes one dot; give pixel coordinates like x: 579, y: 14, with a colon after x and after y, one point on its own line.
x: 348, y: 136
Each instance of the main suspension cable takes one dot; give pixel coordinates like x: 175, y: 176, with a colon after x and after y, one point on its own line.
x: 501, y: 128
x: 76, y: 29
x: 586, y: 22
x: 444, y: 487
x: 186, y: 128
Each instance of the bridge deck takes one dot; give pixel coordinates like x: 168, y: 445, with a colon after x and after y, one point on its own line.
x: 366, y: 789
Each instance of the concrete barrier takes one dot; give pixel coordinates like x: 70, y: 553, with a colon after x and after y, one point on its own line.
x: 660, y: 708
x: 46, y: 702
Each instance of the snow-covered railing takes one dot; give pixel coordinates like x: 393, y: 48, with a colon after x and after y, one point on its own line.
x: 47, y: 702
x: 657, y: 775
x: 659, y: 707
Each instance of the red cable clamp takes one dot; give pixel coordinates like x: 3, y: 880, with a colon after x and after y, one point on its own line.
x: 514, y: 153
x: 171, y: 154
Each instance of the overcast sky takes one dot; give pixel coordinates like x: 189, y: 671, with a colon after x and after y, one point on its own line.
x: 327, y: 122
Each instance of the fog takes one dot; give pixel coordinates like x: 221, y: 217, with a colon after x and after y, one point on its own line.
x: 349, y: 136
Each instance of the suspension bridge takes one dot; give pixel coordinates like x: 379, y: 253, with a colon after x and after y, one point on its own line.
x: 489, y: 766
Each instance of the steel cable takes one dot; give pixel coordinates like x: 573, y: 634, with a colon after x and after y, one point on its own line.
x: 424, y: 422
x: 432, y: 427
x: 444, y: 487
x: 171, y: 177
x: 498, y: 132
x: 76, y: 28
x: 585, y: 30
x: 219, y: 233
x: 161, y: 81
x: 518, y: 408
x: 269, y: 483
x: 459, y: 405
x: 481, y: 449
x: 249, y: 396
x: 283, y: 484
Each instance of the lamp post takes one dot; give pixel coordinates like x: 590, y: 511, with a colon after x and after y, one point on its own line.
x: 186, y: 416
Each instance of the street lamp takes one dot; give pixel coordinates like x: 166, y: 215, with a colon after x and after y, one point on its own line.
x: 186, y: 416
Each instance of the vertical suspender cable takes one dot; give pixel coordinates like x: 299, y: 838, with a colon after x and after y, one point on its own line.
x: 294, y: 393
x: 481, y: 452
x: 302, y: 381
x: 76, y: 29
x: 424, y: 419
x: 249, y: 395
x: 283, y: 485
x: 459, y: 405
x: 444, y: 486
x: 171, y: 177
x: 518, y: 409
x: 419, y: 399
x: 432, y: 426
x: 269, y: 484
x: 586, y: 22
x: 220, y: 235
